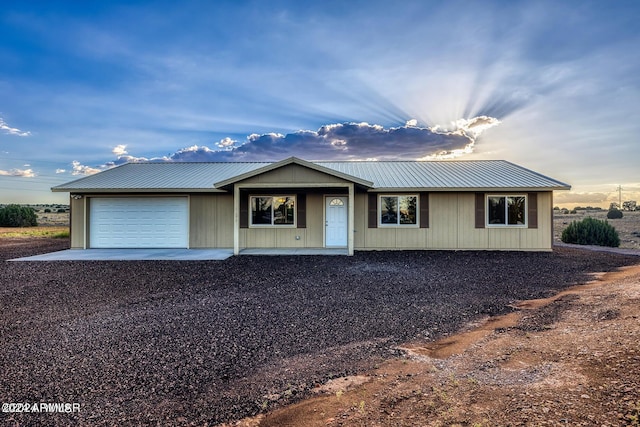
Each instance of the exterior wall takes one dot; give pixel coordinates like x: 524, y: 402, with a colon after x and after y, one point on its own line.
x: 293, y: 174
x: 288, y: 237
x: 78, y: 215
x: 211, y: 221
x: 452, y: 226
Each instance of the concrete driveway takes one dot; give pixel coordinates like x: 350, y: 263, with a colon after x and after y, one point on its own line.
x: 133, y: 255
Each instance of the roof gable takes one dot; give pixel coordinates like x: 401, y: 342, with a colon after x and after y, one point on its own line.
x: 294, y: 161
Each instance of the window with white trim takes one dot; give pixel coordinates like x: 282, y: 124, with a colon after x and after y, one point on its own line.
x: 273, y: 210
x: 400, y: 210
x: 507, y: 210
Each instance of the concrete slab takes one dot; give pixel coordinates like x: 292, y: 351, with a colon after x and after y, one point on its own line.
x: 295, y: 251
x: 133, y: 255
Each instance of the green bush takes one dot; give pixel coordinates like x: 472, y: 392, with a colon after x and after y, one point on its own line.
x: 17, y: 216
x: 614, y: 214
x: 591, y: 231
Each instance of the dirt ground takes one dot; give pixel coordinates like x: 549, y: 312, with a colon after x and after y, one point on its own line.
x: 628, y: 226
x: 572, y: 359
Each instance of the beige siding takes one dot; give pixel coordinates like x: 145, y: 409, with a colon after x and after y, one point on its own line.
x: 444, y: 210
x: 78, y: 216
x: 211, y: 221
x: 315, y: 221
x: 293, y: 174
x: 288, y: 237
x: 452, y: 226
x: 469, y: 237
x: 360, y: 221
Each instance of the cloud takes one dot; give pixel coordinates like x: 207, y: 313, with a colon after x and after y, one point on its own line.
x: 25, y: 173
x: 349, y: 141
x: 119, y: 150
x: 580, y: 197
x: 79, y: 169
x: 61, y: 170
x: 4, y: 127
x: 337, y: 141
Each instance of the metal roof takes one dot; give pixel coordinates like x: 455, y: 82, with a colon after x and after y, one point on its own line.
x: 160, y: 176
x: 467, y: 175
x: 447, y: 175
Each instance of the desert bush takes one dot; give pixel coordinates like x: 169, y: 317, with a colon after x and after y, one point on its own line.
x: 47, y: 210
x: 591, y: 231
x: 18, y: 216
x: 614, y: 214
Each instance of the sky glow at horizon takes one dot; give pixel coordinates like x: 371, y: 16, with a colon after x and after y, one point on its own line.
x: 551, y: 86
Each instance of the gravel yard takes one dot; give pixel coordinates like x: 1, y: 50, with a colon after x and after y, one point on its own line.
x: 180, y: 343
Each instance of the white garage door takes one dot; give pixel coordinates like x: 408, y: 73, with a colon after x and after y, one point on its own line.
x: 138, y: 222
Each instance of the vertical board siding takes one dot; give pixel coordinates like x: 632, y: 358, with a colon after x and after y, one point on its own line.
x: 480, y: 215
x: 77, y: 221
x: 532, y: 210
x: 301, y: 204
x: 244, y: 209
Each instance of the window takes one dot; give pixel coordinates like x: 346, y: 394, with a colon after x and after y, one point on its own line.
x: 273, y: 210
x: 398, y: 210
x: 506, y: 210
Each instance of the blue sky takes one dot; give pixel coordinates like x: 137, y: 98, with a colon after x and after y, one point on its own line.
x: 551, y: 85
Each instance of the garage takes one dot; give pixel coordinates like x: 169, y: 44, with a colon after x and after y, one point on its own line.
x: 138, y: 222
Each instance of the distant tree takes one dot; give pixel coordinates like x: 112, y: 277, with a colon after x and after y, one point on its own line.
x: 18, y: 216
x: 47, y: 210
x: 614, y: 214
x: 61, y: 210
x: 614, y: 205
x: 630, y: 205
x: 591, y: 231
x: 556, y: 208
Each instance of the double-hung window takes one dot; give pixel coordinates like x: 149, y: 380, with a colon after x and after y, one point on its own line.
x: 273, y: 210
x: 398, y: 210
x: 506, y: 211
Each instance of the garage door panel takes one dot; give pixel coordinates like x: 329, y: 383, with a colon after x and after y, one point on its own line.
x: 144, y: 222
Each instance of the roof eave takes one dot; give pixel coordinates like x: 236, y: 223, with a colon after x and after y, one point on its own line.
x: 467, y: 189
x: 136, y: 190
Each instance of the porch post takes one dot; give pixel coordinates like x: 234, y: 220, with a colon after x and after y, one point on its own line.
x: 351, y: 219
x: 236, y: 219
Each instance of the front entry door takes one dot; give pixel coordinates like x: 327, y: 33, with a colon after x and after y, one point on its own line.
x: 336, y: 221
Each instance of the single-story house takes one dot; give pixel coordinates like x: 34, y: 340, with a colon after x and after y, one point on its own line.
x: 293, y: 203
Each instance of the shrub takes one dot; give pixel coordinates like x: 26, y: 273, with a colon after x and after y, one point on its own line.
x: 591, y: 231
x: 17, y: 216
x: 47, y: 210
x: 614, y: 214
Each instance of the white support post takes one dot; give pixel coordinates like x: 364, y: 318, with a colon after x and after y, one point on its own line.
x: 236, y: 219
x: 351, y: 219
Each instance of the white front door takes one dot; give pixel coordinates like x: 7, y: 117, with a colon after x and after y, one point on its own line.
x: 336, y: 221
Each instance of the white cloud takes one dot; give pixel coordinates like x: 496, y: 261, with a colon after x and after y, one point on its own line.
x: 61, y: 170
x: 25, y: 173
x: 119, y: 150
x: 226, y: 143
x: 12, y: 131
x: 79, y: 169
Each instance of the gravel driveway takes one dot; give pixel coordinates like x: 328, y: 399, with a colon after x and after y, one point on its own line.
x: 180, y: 343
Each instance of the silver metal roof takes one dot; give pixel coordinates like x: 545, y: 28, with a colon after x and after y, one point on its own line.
x: 447, y: 175
x: 165, y: 176
x: 396, y: 175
